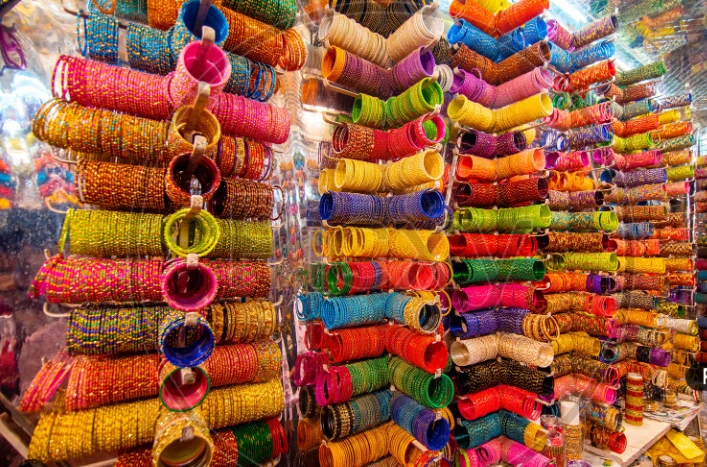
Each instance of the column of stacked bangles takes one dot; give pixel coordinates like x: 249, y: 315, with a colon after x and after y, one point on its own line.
x: 169, y: 356
x: 580, y: 254
x: 648, y: 165
x: 652, y: 202
x: 508, y: 177
x: 372, y: 378
x: 698, y: 224
x: 635, y: 173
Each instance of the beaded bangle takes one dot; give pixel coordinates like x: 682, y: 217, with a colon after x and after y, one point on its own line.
x: 129, y: 425
x: 359, y: 414
x: 280, y: 14
x: 646, y: 72
x: 244, y: 199
x: 427, y: 390
x: 121, y: 186
x: 168, y: 434
x: 100, y: 34
x: 130, y: 139
x: 111, y: 233
x: 364, y: 447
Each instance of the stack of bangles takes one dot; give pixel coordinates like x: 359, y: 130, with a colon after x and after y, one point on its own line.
x: 347, y: 278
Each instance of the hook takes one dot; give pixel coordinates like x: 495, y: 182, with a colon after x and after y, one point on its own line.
x: 46, y: 308
x: 202, y: 99
x: 63, y: 161
x: 328, y: 120
x: 339, y: 89
x: 204, y: 6
x: 52, y: 208
x: 196, y: 202
x: 278, y: 302
x: 208, y: 37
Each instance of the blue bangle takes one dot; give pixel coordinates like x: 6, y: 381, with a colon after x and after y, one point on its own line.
x: 199, y: 340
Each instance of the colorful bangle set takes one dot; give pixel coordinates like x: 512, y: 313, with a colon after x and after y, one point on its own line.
x: 130, y: 139
x: 132, y: 135
x: 247, y: 444
x: 73, y: 435
x: 617, y: 222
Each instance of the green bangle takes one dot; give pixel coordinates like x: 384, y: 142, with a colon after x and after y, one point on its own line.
x: 435, y: 393
x: 368, y: 375
x: 520, y: 269
x: 254, y: 442
x: 471, y: 271
x: 333, y: 279
x: 206, y: 233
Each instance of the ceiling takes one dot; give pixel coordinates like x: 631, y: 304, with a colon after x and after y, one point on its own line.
x: 649, y: 30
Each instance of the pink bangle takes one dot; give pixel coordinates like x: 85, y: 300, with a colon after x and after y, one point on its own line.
x: 182, y: 397
x: 250, y: 119
x: 188, y: 289
x: 475, y: 298
x: 308, y: 366
x: 214, y: 70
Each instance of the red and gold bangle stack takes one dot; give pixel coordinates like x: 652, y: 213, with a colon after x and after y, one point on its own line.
x: 97, y: 381
x: 633, y: 414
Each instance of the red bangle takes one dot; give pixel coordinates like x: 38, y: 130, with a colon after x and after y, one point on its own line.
x: 617, y: 442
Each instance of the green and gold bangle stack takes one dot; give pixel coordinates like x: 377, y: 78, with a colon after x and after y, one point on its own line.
x: 255, y: 444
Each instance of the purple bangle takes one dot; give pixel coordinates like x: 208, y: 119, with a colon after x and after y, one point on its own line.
x: 468, y: 325
x: 474, y: 88
x: 413, y: 68
x: 478, y: 143
x: 511, y: 319
x: 660, y: 357
x: 510, y: 143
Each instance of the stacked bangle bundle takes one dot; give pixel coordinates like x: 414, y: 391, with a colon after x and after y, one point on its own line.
x: 584, y: 36
x: 356, y: 191
x: 634, y: 399
x: 64, y: 435
x: 114, y: 233
x: 347, y: 278
x: 478, y: 117
x: 503, y: 423
x: 514, y: 346
x: 136, y: 140
x: 508, y: 398
x: 477, y: 90
x: 464, y: 32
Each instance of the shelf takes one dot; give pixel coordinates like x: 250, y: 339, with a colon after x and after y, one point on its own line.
x: 639, y: 439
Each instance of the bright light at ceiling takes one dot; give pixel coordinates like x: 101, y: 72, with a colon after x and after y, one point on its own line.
x: 571, y: 10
